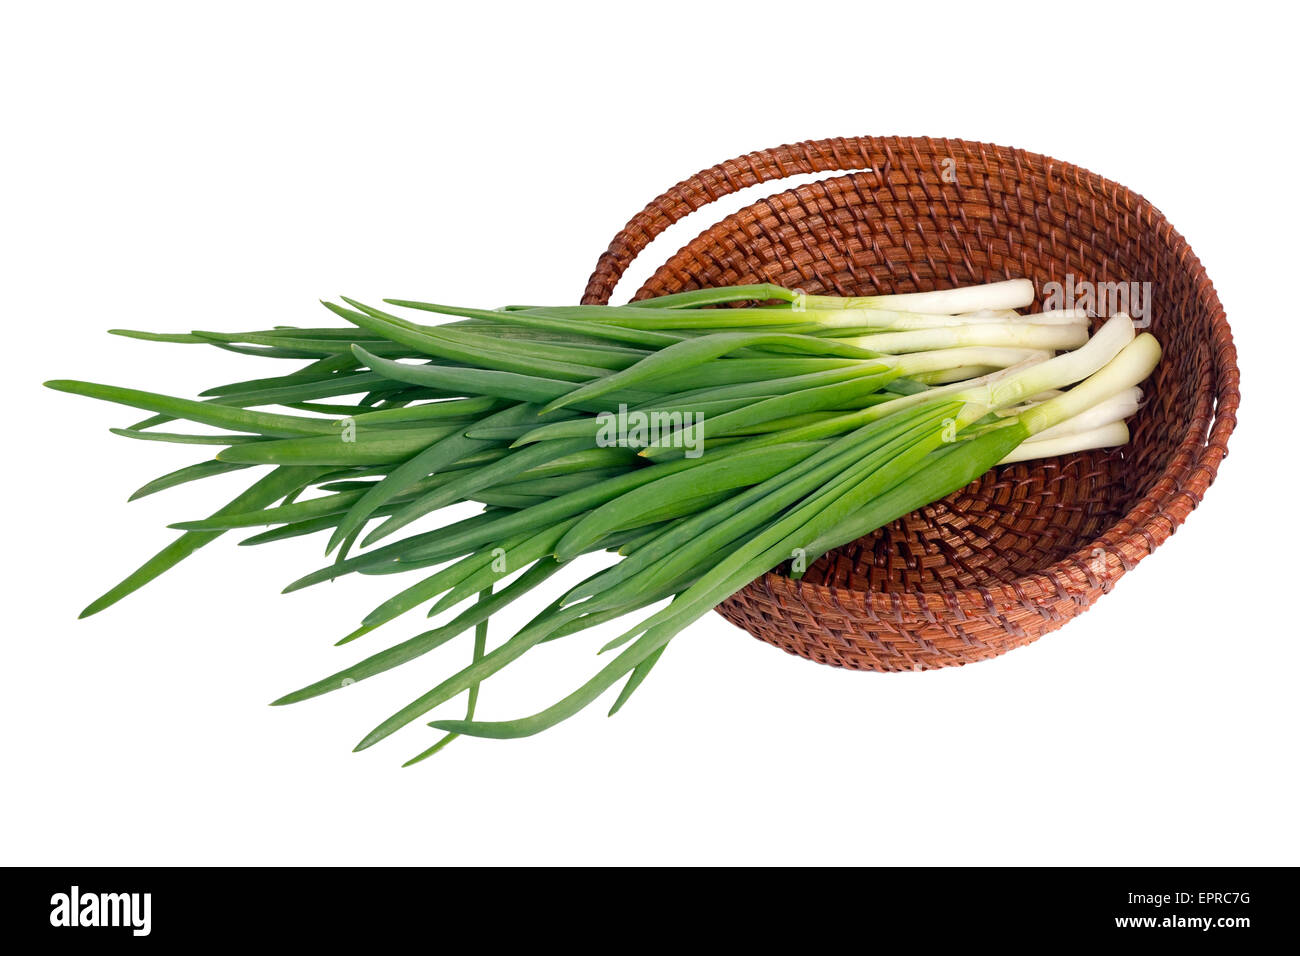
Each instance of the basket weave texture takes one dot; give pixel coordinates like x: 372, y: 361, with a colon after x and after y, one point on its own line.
x: 1026, y: 547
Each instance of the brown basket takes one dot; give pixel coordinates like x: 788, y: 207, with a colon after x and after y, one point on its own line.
x: 1028, y: 546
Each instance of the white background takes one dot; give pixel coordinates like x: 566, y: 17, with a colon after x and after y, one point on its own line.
x: 172, y: 166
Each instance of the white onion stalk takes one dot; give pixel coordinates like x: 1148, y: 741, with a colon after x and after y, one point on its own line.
x: 1015, y: 410
x: 1013, y: 386
x: 1114, y: 409
x: 939, y: 360
x: 871, y: 320
x: 961, y: 373
x: 987, y: 314
x: 1133, y: 364
x: 1107, y: 436
x: 1103, y: 393
x: 1011, y: 294
x: 999, y: 334
x: 960, y: 390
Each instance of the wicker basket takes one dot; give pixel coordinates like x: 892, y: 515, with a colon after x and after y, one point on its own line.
x: 1025, y: 548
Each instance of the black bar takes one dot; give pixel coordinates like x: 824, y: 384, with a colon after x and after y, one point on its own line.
x: 356, y: 905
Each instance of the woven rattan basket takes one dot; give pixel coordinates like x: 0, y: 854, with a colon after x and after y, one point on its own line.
x: 1025, y: 548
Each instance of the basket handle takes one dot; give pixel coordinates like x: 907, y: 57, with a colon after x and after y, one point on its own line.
x: 678, y: 202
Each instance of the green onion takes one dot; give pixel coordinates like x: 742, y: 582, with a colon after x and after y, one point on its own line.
x: 703, y: 445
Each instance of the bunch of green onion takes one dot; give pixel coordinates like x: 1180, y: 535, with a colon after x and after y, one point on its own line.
x: 789, y: 428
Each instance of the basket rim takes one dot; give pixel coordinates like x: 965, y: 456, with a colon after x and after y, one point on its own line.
x: 1127, y: 540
